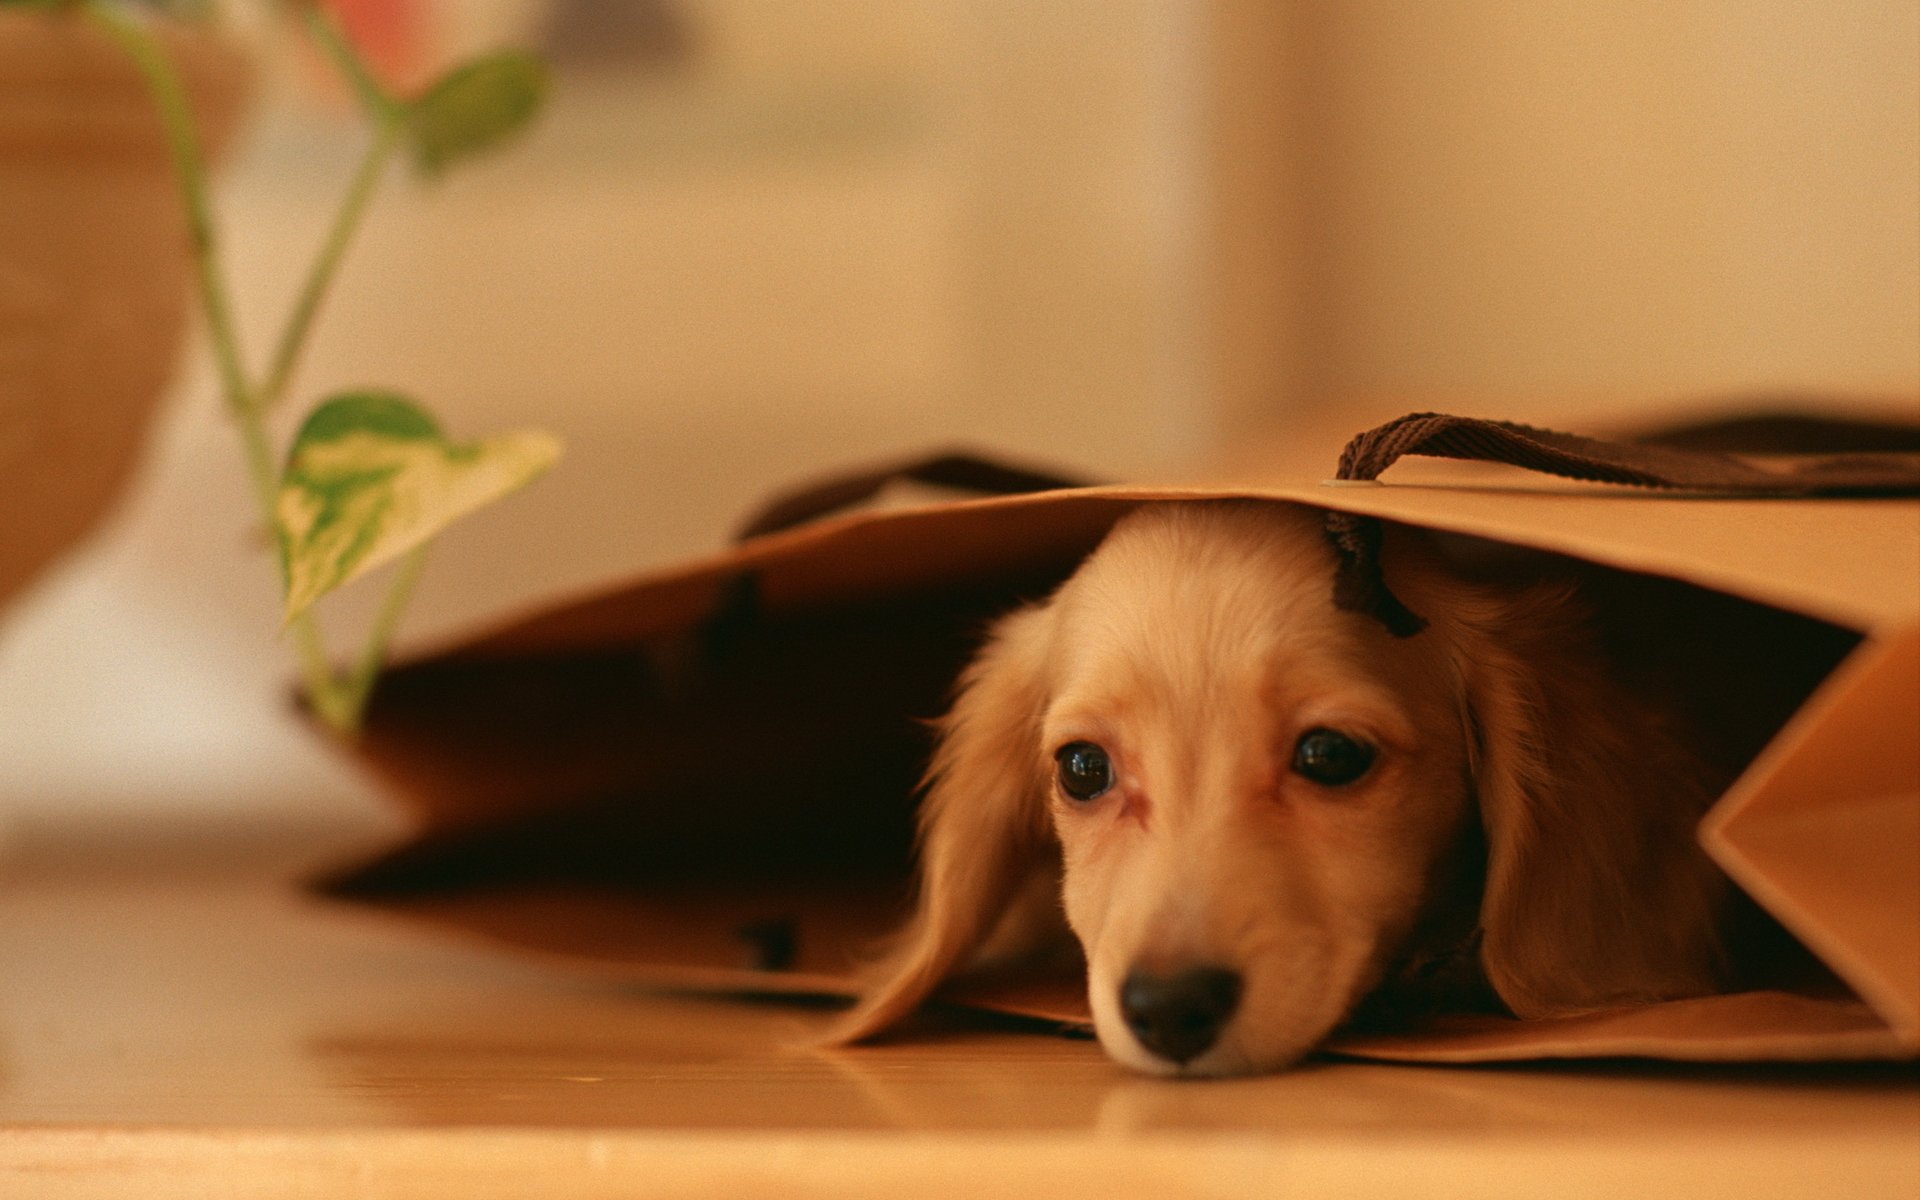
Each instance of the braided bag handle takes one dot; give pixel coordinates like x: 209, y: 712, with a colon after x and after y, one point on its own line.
x: 1359, y: 587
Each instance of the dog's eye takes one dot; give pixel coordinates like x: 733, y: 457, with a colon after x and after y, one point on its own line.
x: 1085, y: 771
x: 1330, y: 757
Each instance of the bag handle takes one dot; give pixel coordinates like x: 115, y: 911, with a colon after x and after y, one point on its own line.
x: 967, y: 472
x: 1672, y: 461
x: 1646, y: 463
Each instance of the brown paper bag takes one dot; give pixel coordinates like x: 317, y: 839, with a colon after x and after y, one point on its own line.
x: 705, y: 777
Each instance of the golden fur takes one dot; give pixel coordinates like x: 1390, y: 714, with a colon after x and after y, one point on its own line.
x: 1522, y: 813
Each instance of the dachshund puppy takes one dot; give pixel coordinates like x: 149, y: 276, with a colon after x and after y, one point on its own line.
x: 1262, y: 814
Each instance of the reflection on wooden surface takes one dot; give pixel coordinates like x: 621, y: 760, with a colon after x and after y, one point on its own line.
x: 178, y: 1018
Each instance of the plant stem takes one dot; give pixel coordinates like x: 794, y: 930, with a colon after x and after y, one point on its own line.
x: 387, y: 118
x: 359, y: 684
x: 346, y: 222
x: 349, y: 696
x: 322, y: 684
x: 183, y: 147
x: 380, y: 107
x: 336, y: 700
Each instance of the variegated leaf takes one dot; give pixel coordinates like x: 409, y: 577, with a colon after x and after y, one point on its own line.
x: 370, y: 477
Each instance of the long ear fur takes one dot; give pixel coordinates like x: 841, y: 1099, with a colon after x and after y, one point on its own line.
x: 1597, y: 892
x: 983, y: 823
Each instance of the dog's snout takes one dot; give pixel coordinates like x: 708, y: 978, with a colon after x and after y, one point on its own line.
x: 1178, y: 1016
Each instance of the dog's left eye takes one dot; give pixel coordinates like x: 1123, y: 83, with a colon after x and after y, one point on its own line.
x: 1331, y: 758
x: 1085, y: 771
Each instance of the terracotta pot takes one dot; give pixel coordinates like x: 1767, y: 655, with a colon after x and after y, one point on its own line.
x: 93, y: 269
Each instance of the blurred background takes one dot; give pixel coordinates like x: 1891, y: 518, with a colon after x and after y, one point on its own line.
x: 755, y: 239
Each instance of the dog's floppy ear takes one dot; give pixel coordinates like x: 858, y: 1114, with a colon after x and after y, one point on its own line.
x: 983, y: 822
x: 1597, y: 892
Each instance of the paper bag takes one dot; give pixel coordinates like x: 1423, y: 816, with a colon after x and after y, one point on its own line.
x: 705, y: 777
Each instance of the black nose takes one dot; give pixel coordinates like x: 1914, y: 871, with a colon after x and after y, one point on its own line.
x: 1178, y: 1016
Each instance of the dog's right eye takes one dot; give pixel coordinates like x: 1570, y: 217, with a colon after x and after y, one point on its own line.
x: 1331, y: 758
x: 1085, y: 771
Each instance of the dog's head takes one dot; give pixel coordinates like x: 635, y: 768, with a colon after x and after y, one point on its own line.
x: 1261, y: 806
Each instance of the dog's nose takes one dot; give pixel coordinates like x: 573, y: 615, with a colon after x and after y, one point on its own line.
x: 1178, y: 1016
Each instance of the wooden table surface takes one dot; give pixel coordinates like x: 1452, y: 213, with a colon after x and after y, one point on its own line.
x: 178, y: 1020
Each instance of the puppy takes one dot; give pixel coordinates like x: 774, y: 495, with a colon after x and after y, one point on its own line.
x: 1260, y: 812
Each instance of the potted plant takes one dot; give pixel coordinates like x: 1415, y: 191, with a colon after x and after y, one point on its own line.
x: 370, y: 477
x: 93, y: 265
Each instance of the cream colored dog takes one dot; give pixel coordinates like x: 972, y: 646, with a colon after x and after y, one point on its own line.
x: 1261, y: 811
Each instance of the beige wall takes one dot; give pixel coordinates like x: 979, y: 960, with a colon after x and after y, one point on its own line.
x: 1121, y: 234
x: 1552, y: 203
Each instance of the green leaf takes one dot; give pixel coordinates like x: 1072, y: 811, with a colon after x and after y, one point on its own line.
x: 370, y: 476
x: 474, y: 107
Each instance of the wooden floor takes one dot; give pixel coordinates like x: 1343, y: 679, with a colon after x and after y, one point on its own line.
x: 177, y: 1020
